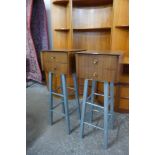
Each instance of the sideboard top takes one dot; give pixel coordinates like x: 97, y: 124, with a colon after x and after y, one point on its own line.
x: 97, y: 52
x: 64, y: 50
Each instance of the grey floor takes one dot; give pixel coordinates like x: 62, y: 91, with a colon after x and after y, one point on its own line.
x: 43, y: 139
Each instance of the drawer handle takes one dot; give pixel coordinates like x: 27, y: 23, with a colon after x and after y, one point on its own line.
x: 95, y: 61
x: 55, y: 68
x: 52, y: 57
x: 95, y: 74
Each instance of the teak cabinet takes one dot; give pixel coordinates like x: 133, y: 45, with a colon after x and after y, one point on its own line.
x: 99, y: 66
x: 95, y: 25
x: 59, y: 62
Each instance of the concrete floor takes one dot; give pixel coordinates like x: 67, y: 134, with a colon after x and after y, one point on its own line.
x: 43, y: 139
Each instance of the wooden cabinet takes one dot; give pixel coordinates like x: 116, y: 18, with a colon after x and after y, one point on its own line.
x: 58, y: 62
x: 100, y: 25
x: 98, y: 66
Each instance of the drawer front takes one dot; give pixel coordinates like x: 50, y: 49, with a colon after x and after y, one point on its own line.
x: 88, y: 66
x: 57, y: 68
x: 55, y: 57
x: 49, y: 66
x: 97, y: 67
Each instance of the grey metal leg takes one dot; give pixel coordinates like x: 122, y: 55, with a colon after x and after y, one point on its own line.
x: 65, y: 93
x: 106, y: 93
x: 62, y: 99
x: 85, y: 93
x: 92, y: 99
x: 51, y: 97
x: 77, y: 94
x: 112, y: 104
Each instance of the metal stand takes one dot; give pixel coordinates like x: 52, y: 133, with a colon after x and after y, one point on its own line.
x: 108, y: 113
x: 64, y: 101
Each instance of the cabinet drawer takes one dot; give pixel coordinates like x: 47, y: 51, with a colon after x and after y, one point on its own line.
x: 58, y: 68
x: 49, y: 66
x: 97, y: 67
x: 88, y: 66
x: 55, y: 57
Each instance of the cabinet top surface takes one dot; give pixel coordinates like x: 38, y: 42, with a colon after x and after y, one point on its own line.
x: 64, y: 50
x: 118, y: 53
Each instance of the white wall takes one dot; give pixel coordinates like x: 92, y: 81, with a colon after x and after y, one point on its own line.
x: 48, y: 12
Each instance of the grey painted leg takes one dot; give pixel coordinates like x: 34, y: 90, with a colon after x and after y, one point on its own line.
x: 64, y: 87
x: 62, y: 99
x: 85, y: 93
x: 92, y: 98
x: 77, y: 94
x: 51, y: 97
x: 106, y: 93
x: 112, y: 104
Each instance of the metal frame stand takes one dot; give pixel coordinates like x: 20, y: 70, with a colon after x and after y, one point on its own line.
x: 64, y: 101
x: 108, y: 112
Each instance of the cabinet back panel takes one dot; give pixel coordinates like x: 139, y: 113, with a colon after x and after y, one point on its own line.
x: 60, y: 16
x: 60, y: 40
x: 90, y: 17
x: 92, y: 40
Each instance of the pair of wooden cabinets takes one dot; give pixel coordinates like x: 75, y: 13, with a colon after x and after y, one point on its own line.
x: 95, y: 65
x: 99, y: 25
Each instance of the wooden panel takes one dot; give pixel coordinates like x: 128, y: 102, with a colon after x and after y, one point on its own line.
x: 124, y: 78
x: 124, y: 104
x: 120, y: 40
x: 121, y: 12
x: 92, y: 17
x: 92, y: 40
x: 124, y: 92
x: 60, y: 40
x: 60, y: 17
